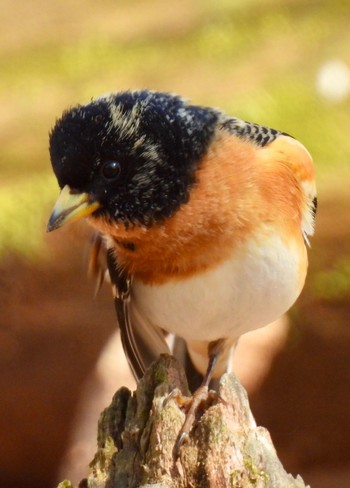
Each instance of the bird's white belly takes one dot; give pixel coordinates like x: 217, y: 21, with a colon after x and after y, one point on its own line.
x: 246, y: 292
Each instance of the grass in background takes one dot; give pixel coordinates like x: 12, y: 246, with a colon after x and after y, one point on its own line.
x: 257, y: 60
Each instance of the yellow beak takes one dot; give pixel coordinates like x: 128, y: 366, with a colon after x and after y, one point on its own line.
x: 71, y: 206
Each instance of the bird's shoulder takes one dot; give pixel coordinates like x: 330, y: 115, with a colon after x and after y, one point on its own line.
x: 273, y: 146
x: 257, y: 134
x: 281, y: 157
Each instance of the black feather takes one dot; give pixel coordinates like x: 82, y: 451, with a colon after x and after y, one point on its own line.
x: 157, y: 138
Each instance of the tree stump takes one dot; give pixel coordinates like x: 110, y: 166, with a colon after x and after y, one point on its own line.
x: 137, y: 433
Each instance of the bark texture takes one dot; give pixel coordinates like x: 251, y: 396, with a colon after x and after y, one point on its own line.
x: 137, y: 433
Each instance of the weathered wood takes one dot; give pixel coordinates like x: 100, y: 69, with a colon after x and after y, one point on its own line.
x: 137, y: 433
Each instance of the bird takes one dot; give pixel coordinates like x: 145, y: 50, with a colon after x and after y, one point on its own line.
x: 205, y: 218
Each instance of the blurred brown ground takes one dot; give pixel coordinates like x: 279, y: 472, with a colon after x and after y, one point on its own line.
x: 52, y: 332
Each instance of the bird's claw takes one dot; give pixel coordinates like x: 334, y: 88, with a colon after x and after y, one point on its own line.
x: 180, y: 441
x: 181, y: 400
x: 200, y: 396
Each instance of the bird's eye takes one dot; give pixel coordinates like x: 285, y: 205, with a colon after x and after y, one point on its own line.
x: 111, y: 170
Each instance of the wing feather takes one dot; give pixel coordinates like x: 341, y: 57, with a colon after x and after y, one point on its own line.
x: 142, y: 343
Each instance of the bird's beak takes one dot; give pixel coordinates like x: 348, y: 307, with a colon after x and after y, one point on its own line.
x: 71, y: 206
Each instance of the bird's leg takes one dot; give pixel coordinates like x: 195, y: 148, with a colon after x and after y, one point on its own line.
x: 200, y: 395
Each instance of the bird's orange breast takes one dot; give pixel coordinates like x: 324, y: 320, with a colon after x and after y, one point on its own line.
x: 241, y: 192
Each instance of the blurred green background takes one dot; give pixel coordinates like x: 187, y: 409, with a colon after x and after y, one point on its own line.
x: 281, y: 63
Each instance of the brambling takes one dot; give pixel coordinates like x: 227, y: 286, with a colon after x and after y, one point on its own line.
x: 205, y: 218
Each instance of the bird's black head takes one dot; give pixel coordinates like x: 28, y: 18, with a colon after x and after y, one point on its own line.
x: 134, y: 153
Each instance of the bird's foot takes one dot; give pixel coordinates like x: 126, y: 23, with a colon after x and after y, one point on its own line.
x: 197, y: 404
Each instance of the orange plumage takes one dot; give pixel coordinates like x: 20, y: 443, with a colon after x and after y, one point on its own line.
x: 240, y: 188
